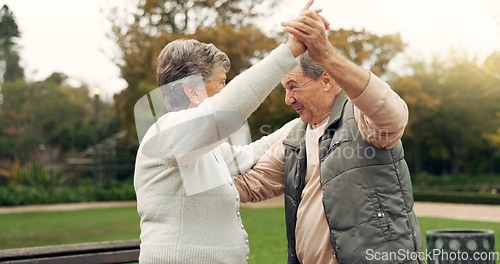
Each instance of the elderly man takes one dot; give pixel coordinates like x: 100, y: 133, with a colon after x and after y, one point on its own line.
x: 348, y: 194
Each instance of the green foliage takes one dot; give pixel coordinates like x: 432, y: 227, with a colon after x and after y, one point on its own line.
x: 475, y: 189
x: 456, y: 197
x: 479, y: 183
x: 8, y: 26
x: 36, y: 174
x: 182, y: 16
x: 492, y: 64
x: 9, y: 56
x: 48, y: 119
x: 493, y: 138
x: 366, y: 49
x: 40, y: 184
x: 117, y: 191
x: 15, y: 194
x: 452, y: 107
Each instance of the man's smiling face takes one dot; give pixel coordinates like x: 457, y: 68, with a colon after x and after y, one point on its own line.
x: 307, y: 96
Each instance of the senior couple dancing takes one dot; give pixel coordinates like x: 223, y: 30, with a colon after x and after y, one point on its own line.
x: 340, y: 165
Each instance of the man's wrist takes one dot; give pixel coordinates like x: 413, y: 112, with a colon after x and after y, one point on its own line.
x: 329, y: 56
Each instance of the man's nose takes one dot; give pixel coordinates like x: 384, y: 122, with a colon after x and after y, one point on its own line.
x: 289, y: 99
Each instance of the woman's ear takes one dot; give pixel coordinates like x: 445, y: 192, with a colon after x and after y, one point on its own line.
x: 192, y: 94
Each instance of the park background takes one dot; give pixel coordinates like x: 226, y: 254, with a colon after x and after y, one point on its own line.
x: 67, y: 133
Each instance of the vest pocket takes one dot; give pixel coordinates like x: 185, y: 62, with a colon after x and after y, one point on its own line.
x: 326, y: 150
x: 381, y: 217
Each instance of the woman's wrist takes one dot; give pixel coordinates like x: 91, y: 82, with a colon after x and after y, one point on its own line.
x: 296, y: 48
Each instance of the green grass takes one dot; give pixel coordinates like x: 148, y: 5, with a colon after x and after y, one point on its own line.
x: 53, y: 228
x: 266, y: 229
x: 266, y: 232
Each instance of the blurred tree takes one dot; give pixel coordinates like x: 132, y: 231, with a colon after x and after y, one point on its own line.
x: 367, y: 49
x: 452, y: 104
x: 12, y: 119
x: 48, y: 118
x: 473, y: 101
x: 492, y: 64
x: 181, y: 17
x: 421, y: 107
x: 9, y: 56
x: 494, y: 138
x: 155, y: 23
x: 242, y: 45
x: 492, y: 67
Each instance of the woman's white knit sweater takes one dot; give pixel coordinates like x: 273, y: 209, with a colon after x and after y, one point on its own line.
x: 188, y: 204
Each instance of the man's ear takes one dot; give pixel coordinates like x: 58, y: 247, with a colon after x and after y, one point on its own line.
x: 327, y: 81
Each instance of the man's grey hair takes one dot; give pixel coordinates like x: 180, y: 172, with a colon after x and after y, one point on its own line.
x: 310, y: 68
x: 183, y: 58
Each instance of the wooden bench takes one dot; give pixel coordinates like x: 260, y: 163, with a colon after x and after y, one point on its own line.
x: 120, y: 251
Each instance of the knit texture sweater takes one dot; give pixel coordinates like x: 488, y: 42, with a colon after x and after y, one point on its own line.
x: 203, y: 224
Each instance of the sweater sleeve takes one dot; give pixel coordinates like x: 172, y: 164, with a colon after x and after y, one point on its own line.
x: 189, y: 134
x: 381, y: 115
x: 240, y: 158
x: 266, y: 179
x: 260, y: 146
x: 255, y: 84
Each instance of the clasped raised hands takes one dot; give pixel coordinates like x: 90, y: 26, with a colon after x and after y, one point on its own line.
x: 308, y: 31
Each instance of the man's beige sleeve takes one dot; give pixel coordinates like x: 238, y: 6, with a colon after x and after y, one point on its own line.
x: 265, y: 180
x: 381, y: 115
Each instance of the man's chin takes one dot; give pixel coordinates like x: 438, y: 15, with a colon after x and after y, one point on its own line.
x: 304, y: 119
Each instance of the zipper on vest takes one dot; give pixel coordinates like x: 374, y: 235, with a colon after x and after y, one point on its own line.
x: 322, y: 157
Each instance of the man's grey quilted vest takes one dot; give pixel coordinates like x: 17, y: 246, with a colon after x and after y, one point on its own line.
x: 367, y: 193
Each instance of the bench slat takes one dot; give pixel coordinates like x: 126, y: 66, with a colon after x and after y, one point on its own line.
x: 124, y: 256
x: 120, y: 251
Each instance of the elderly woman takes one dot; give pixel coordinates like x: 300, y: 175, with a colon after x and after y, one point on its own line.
x: 186, y: 198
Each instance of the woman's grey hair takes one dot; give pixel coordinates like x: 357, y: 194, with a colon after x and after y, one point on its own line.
x: 310, y: 68
x: 183, y: 58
